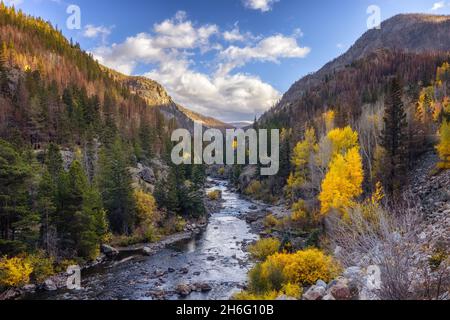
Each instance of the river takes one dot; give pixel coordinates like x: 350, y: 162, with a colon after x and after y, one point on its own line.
x: 216, y: 257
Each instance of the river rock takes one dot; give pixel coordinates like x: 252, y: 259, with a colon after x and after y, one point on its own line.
x: 183, y: 290
x: 49, y: 285
x: 341, y: 290
x: 184, y: 270
x: 321, y: 283
x: 160, y: 273
x: 314, y: 293
x: 146, y: 251
x: 171, y: 270
x: 109, y: 251
x: 211, y: 258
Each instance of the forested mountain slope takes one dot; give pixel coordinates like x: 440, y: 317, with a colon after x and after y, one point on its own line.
x: 84, y: 154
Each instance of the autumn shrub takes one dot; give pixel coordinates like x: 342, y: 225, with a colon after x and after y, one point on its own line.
x: 254, y: 189
x: 248, y: 296
x: 43, y: 266
x: 283, y: 270
x: 221, y: 171
x: 214, y: 195
x: 264, y: 248
x: 14, y: 272
x: 271, y: 221
x: 292, y: 290
x: 388, y: 238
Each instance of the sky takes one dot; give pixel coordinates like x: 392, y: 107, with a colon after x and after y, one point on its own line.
x: 230, y: 59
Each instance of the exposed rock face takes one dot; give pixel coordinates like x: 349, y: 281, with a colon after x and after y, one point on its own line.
x: 156, y: 96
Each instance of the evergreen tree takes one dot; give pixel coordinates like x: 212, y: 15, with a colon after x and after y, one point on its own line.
x: 16, y: 218
x: 115, y: 183
x: 147, y: 141
x: 394, y: 139
x: 4, y: 81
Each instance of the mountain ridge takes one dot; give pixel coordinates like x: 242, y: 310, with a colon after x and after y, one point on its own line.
x: 398, y: 33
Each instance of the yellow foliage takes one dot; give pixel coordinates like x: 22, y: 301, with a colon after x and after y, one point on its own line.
x: 378, y: 195
x: 284, y: 271
x: 292, y: 290
x: 247, y: 296
x: 343, y: 182
x: 302, y: 155
x: 426, y: 106
x: 443, y: 148
x: 146, y: 208
x: 14, y: 272
x: 221, y: 171
x: 328, y: 118
x: 264, y: 248
x: 254, y: 188
x: 271, y: 221
x: 299, y: 213
x: 214, y: 195
x: 342, y: 140
x: 304, y: 149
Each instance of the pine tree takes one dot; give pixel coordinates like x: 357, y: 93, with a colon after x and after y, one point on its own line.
x: 147, y: 141
x: 16, y: 218
x: 4, y: 81
x: 54, y: 161
x: 115, y: 184
x: 394, y: 139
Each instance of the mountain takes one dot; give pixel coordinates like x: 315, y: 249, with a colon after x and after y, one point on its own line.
x: 156, y: 96
x: 406, y: 41
x: 52, y: 91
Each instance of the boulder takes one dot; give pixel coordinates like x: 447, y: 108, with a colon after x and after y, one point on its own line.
x: 147, y: 175
x: 341, y: 290
x: 109, y: 251
x: 314, y: 293
x: 321, y: 283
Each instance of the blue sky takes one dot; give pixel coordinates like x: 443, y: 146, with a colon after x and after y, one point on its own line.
x: 231, y: 59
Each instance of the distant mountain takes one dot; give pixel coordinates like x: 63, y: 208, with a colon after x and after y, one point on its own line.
x: 409, y: 45
x: 156, y: 96
x: 241, y: 124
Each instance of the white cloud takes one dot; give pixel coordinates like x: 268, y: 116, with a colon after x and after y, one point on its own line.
x: 233, y: 35
x: 268, y: 49
x: 91, y: 31
x: 170, y: 49
x: 230, y: 97
x: 438, y: 5
x: 262, y: 5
